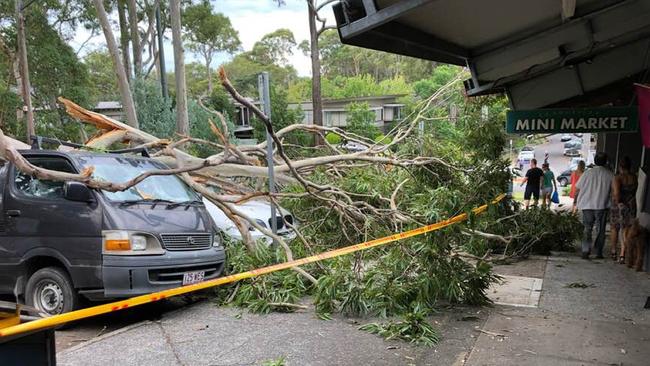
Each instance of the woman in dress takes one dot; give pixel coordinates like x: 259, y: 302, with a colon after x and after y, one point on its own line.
x: 623, y: 209
x: 574, y: 179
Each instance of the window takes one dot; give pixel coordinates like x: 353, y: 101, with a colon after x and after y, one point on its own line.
x: 122, y: 168
x: 34, y: 187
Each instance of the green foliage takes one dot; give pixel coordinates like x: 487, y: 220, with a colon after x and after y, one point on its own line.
x: 274, y: 48
x: 155, y: 113
x: 208, y: 32
x: 54, y: 70
x: 262, y: 294
x: 333, y: 138
x: 441, y: 75
x: 383, y: 139
x: 269, y: 54
x: 101, y: 76
x: 281, y: 116
x: 413, y: 328
x: 349, y: 61
x: 533, y: 231
x: 363, y: 86
x: 220, y: 101
x: 361, y: 120
x: 281, y: 361
x: 200, y: 128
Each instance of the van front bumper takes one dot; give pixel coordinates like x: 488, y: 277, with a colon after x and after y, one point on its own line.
x: 126, y: 276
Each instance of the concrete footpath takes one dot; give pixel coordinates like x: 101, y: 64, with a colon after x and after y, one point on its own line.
x: 559, y: 310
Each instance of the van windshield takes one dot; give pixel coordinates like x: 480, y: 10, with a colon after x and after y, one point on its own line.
x: 120, y: 169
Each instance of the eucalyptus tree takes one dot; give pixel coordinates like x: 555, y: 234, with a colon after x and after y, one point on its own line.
x: 209, y: 33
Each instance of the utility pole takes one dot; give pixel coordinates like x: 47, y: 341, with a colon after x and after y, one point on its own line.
x: 24, y: 69
x: 161, y: 55
x: 265, y: 98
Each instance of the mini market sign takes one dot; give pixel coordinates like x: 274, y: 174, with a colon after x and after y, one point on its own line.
x: 620, y: 119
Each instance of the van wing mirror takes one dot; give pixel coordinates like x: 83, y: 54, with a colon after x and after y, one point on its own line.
x: 77, y: 191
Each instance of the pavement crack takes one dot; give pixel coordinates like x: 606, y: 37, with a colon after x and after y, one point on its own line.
x: 170, y: 343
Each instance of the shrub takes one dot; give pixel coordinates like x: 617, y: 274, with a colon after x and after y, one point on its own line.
x: 383, y: 139
x: 333, y: 138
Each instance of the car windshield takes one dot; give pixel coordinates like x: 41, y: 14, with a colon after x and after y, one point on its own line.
x: 120, y: 169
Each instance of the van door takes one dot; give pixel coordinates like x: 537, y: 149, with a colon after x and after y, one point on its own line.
x: 40, y: 222
x: 8, y: 258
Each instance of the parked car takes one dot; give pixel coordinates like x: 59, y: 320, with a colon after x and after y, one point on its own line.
x: 566, y: 137
x: 352, y: 146
x: 258, y: 210
x: 572, y: 152
x: 572, y: 148
x: 524, y: 158
x: 565, y: 178
x: 64, y: 240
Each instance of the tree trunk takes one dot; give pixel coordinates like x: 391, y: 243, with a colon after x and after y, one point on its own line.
x: 124, y: 37
x: 182, y: 119
x: 128, y: 106
x: 24, y: 70
x: 208, y: 61
x: 135, y: 38
x: 315, y: 69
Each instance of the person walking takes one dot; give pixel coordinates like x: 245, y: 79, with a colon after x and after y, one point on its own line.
x: 548, y: 187
x: 533, y: 181
x: 623, y: 209
x: 575, y: 175
x: 592, y: 199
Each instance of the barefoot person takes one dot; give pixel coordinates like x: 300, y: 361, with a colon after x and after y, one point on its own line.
x: 623, y: 209
x: 592, y: 198
x: 533, y: 181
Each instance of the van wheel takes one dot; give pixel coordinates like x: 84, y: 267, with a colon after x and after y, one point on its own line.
x: 50, y: 290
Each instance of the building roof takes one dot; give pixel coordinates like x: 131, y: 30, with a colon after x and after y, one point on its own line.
x: 540, y: 52
x: 357, y: 99
x: 108, y: 105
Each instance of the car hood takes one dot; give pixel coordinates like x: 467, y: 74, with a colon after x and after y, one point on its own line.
x: 142, y: 217
x: 255, y: 209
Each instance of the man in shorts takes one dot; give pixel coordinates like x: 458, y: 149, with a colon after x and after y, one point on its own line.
x: 533, y: 181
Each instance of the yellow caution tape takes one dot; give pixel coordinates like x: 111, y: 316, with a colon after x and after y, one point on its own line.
x: 57, y: 320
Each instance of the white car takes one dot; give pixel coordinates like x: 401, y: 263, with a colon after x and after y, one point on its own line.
x: 524, y: 158
x: 353, y: 146
x: 260, y: 211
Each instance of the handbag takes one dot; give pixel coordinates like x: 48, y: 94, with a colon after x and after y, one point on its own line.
x: 555, y: 197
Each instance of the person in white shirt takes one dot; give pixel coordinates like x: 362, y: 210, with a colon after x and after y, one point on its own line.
x: 592, y: 197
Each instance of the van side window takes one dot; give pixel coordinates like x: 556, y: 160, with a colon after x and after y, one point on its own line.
x: 34, y: 187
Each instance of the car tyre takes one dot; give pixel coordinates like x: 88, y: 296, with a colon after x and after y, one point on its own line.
x: 50, y: 290
x: 563, y: 182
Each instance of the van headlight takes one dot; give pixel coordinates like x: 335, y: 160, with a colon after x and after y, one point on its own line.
x: 217, y: 242
x: 122, y: 242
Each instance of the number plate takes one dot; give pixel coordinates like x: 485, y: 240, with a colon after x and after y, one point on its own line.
x: 193, y: 277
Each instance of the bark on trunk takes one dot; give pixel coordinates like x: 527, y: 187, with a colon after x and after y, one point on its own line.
x: 182, y: 119
x: 208, y: 61
x: 124, y: 37
x: 315, y: 70
x: 135, y: 38
x: 128, y: 106
x: 24, y: 70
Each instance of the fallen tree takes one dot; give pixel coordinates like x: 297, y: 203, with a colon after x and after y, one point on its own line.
x: 340, y: 198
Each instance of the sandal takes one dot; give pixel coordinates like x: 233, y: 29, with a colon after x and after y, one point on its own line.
x: 614, y: 257
x: 621, y: 260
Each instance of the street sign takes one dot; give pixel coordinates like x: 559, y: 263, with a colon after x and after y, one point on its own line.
x: 615, y: 119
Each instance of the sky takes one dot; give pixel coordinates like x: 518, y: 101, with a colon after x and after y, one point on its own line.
x: 251, y: 18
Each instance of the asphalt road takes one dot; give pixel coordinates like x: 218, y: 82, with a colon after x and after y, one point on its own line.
x: 557, y: 161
